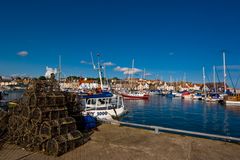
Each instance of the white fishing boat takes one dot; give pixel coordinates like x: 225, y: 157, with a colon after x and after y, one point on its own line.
x: 104, y: 107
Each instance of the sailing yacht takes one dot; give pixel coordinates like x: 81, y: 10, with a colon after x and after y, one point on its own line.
x: 212, y: 97
x: 134, y: 94
x: 233, y: 99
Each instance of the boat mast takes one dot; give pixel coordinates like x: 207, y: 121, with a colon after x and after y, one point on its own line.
x: 105, y: 75
x: 214, y: 79
x: 99, y: 69
x: 170, y: 79
x: 224, y: 72
x: 204, y: 81
x: 131, y: 73
x: 144, y: 73
x: 99, y: 72
x: 184, y: 77
x: 59, y: 68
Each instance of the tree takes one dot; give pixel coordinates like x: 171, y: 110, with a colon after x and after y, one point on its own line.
x: 42, y: 78
x: 115, y: 78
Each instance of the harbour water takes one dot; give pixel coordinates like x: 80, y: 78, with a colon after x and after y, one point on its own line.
x: 183, y: 114
x: 177, y: 113
x: 12, y: 95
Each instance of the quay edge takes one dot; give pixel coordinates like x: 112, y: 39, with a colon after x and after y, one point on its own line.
x: 121, y: 142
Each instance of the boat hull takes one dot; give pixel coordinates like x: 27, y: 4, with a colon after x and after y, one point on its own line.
x: 212, y: 100
x: 235, y: 103
x: 106, y: 114
x: 126, y: 96
x: 197, y: 97
x: 187, y: 97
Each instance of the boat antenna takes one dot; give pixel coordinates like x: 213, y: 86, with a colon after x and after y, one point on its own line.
x: 99, y: 68
x: 99, y: 71
x: 94, y: 67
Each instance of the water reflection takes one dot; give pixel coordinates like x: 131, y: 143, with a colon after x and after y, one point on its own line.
x: 226, y: 124
x: 12, y: 95
x: 137, y: 103
x: 185, y: 114
x: 234, y: 109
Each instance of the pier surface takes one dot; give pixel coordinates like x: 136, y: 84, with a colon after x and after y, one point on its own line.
x: 120, y: 142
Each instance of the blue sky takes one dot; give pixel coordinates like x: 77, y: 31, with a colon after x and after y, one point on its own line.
x: 169, y: 37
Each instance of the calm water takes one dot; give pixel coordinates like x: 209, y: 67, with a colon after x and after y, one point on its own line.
x: 13, y: 95
x: 185, y: 114
x: 179, y: 114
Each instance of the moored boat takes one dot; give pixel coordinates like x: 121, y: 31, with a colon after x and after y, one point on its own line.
x: 104, y: 107
x: 135, y: 95
x: 186, y: 95
x: 213, y: 97
x: 197, y: 96
x: 96, y: 95
x: 154, y: 92
x: 177, y: 94
x: 170, y: 94
x: 232, y: 99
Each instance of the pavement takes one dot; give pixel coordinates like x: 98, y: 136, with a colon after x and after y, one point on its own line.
x: 115, y: 142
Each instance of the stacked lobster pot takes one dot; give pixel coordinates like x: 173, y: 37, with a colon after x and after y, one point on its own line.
x: 3, y: 123
x: 41, y: 121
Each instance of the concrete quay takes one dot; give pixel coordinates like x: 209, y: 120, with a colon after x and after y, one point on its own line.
x: 126, y: 143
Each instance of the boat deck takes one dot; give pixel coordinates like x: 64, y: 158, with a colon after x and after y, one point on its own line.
x: 114, y: 142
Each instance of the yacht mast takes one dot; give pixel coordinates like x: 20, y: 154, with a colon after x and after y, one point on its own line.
x: 144, y: 73
x: 171, y: 80
x: 184, y: 77
x: 214, y: 79
x: 204, y: 82
x: 59, y: 68
x: 224, y: 72
x: 105, y: 75
x: 131, y: 73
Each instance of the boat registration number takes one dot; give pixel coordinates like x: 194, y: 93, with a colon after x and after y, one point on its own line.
x: 98, y: 113
x: 101, y: 113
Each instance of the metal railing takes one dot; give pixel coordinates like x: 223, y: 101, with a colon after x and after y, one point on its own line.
x: 158, y: 129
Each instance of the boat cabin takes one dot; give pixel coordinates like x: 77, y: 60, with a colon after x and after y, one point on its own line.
x: 104, y: 103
